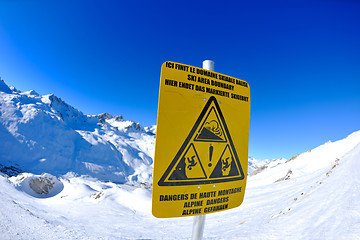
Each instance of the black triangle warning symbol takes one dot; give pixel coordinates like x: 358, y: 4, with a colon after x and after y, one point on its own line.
x: 207, y: 155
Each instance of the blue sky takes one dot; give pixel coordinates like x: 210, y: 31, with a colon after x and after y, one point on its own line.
x: 301, y: 59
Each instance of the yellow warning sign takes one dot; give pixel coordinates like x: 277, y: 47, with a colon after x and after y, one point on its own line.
x: 201, y: 148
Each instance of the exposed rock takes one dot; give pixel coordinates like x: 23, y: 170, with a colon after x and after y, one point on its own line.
x: 42, y: 184
x: 287, y: 176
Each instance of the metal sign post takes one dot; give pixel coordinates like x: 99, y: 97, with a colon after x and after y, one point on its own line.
x: 199, y: 220
x: 198, y: 227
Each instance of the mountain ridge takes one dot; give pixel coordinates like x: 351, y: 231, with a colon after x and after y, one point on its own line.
x: 42, y: 133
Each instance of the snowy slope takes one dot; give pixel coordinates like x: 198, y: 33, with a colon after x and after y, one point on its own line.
x: 45, y: 134
x: 319, y: 199
x: 314, y: 195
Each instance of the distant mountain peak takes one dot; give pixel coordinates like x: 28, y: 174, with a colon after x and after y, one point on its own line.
x: 31, y: 93
x: 4, y: 87
x: 14, y: 89
x: 107, y: 116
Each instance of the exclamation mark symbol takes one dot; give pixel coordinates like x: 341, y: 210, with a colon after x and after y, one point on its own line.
x: 211, y: 149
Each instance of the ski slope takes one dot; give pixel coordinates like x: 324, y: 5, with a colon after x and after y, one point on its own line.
x: 318, y: 200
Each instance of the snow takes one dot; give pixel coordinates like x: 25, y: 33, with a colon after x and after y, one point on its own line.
x: 320, y: 203
x: 93, y: 181
x: 45, y: 134
x: 255, y: 164
x: 309, y: 162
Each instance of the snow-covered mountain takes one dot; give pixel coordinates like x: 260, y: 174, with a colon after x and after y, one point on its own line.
x: 255, y: 165
x: 314, y: 195
x: 44, y: 134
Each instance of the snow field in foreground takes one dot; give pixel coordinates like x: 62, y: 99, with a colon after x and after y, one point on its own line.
x: 320, y: 199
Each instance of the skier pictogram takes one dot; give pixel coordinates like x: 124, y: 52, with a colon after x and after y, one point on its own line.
x: 189, y: 167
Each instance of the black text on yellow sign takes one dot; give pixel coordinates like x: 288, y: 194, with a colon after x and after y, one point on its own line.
x: 201, y: 143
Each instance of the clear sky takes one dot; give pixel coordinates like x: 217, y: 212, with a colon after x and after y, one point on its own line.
x: 301, y: 59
